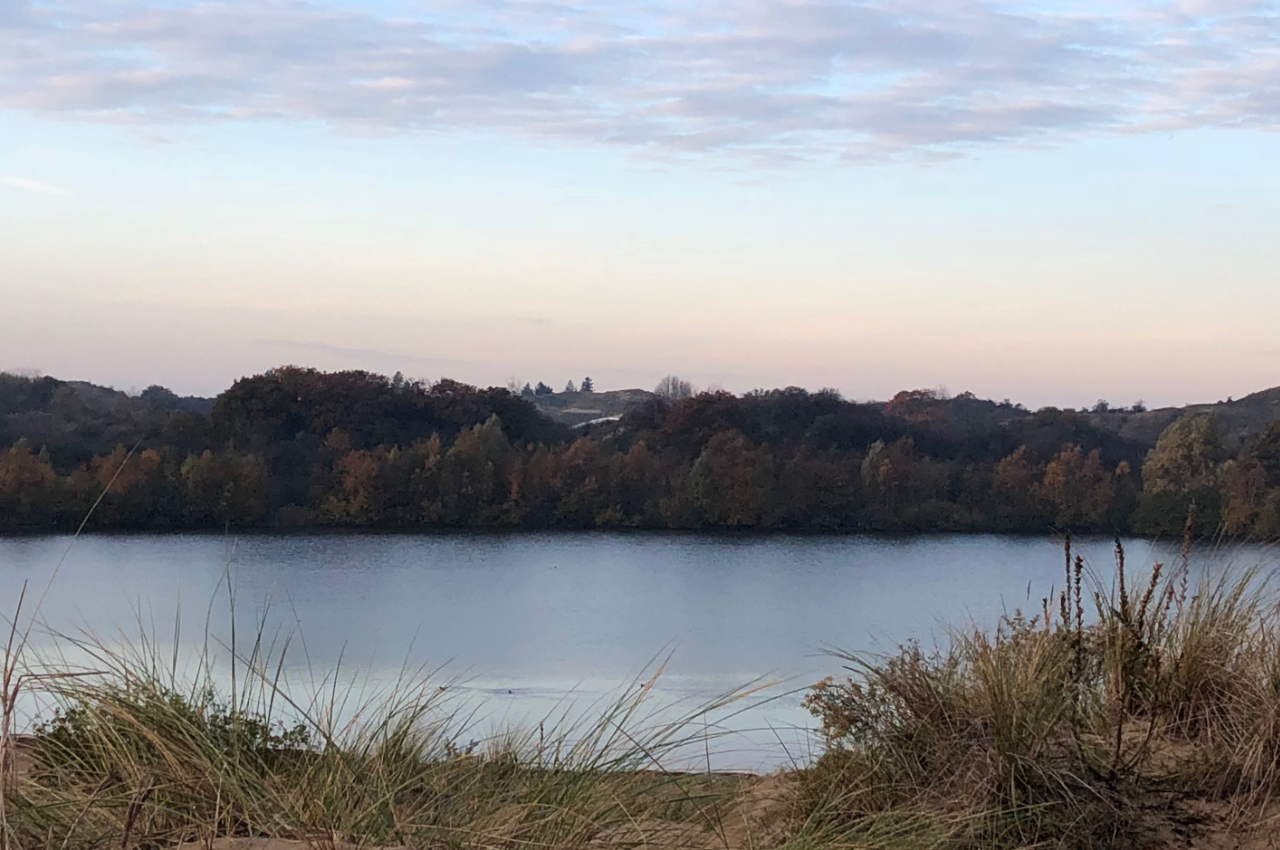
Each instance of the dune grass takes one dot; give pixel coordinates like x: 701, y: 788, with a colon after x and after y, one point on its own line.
x: 1142, y: 711
x: 139, y: 748
x: 1135, y: 714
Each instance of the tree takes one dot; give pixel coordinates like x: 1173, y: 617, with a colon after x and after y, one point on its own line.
x: 672, y: 388
x: 732, y: 482
x: 1182, y: 471
x: 526, y: 391
x: 137, y: 490
x: 919, y: 406
x: 1244, y: 488
x: 587, y: 385
x: 640, y: 484
x: 474, y: 475
x: 569, y: 387
x: 542, y: 389
x: 1267, y: 452
x: 158, y: 398
x: 353, y: 499
x: 582, y: 487
x: 1018, y: 497
x: 533, y: 488
x: 1079, y: 488
x: 898, y: 482
x: 27, y: 487
x: 1102, y: 406
x: 224, y: 488
x: 1185, y: 457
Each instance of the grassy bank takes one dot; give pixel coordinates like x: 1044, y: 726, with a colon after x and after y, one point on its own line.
x: 1139, y: 712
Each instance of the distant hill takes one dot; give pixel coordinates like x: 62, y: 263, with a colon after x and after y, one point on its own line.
x: 1240, y: 420
x: 578, y: 408
x: 76, y: 420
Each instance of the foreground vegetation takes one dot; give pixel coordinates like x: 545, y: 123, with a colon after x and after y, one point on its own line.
x: 296, y: 448
x: 1139, y: 712
x: 1143, y: 714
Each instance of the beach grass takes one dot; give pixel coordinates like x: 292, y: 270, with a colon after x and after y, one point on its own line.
x: 140, y: 747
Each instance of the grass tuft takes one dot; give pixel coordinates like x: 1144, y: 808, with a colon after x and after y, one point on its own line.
x: 1162, y: 710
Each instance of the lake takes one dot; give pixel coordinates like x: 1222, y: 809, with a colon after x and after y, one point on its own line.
x: 526, y: 622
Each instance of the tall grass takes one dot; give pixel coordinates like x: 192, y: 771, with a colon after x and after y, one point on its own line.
x: 14, y: 675
x: 1156, y: 708
x: 151, y: 752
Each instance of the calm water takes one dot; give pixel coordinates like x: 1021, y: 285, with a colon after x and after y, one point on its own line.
x: 530, y: 621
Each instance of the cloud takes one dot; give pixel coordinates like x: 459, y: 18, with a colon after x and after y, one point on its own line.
x: 30, y: 185
x: 761, y: 80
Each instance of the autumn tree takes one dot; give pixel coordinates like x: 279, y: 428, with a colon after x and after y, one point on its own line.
x: 533, y: 487
x: 1079, y: 488
x: 1186, y: 456
x: 226, y: 488
x: 131, y: 489
x: 1015, y: 482
x: 817, y: 489
x: 640, y: 485
x: 28, y: 488
x: 1180, y: 472
x: 354, y: 498
x: 473, y: 475
x: 583, y: 486
x: 1245, y: 494
x: 902, y: 487
x: 917, y: 406
x: 732, y: 482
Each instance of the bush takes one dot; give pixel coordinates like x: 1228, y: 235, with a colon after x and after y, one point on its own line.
x: 83, y: 737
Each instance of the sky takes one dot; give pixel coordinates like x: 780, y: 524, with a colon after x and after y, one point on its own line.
x: 1050, y: 202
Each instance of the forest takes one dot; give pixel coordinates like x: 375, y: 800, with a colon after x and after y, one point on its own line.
x: 297, y: 448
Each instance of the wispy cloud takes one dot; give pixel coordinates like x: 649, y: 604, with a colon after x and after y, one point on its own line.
x: 31, y: 185
x: 764, y: 80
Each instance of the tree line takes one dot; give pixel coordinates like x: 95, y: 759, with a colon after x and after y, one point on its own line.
x: 299, y: 448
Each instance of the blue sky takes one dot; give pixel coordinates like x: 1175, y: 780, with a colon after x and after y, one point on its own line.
x: 1049, y: 202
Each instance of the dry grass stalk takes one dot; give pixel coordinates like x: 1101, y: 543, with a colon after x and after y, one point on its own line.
x: 1055, y: 734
